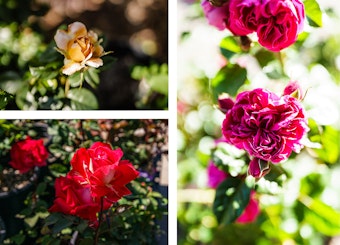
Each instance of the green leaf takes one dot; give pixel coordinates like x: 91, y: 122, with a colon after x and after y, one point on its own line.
x: 313, y: 13
x: 232, y: 196
x: 228, y: 80
x: 159, y: 83
x: 5, y: 98
x: 321, y: 216
x: 92, y: 77
x: 329, y: 140
x: 76, y: 79
x: 229, y: 47
x: 61, y: 224
x: 82, y: 99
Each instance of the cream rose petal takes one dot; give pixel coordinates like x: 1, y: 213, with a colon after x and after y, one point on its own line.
x: 77, y: 29
x: 71, y: 67
x: 62, y: 39
x: 94, y: 62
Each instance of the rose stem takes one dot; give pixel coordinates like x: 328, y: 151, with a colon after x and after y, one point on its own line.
x: 99, y: 220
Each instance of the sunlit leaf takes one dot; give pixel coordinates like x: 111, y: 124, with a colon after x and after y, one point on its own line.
x: 229, y: 47
x: 228, y: 80
x: 82, y: 99
x: 232, y: 196
x: 321, y: 216
x: 313, y: 13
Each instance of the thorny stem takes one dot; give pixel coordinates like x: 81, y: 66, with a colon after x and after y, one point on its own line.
x: 99, y: 220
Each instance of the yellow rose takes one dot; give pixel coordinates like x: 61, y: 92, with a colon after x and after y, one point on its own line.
x: 80, y: 47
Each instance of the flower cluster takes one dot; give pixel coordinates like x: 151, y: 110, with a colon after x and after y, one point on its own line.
x: 97, y: 179
x: 267, y: 126
x: 276, y: 22
x: 80, y: 47
x: 27, y: 154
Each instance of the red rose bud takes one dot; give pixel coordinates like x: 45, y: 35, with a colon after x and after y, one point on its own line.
x: 258, y: 168
x: 293, y: 89
x: 225, y: 103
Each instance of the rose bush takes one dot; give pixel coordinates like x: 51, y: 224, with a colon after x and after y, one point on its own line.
x: 267, y: 126
x: 277, y: 23
x: 80, y: 47
x: 27, y: 154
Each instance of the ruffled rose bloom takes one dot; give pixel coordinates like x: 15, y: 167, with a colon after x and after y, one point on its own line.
x: 217, y: 16
x: 252, y: 210
x: 279, y: 23
x: 74, y: 199
x: 27, y: 154
x: 102, y: 169
x: 242, y: 20
x: 80, y: 48
x: 267, y: 126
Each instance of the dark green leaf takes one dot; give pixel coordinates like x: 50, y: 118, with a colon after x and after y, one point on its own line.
x: 61, y: 225
x: 228, y: 80
x: 4, y: 98
x: 82, y: 99
x: 232, y: 196
x: 313, y: 13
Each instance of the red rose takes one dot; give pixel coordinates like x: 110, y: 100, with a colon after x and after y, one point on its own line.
x: 74, y: 199
x: 102, y: 169
x: 27, y: 154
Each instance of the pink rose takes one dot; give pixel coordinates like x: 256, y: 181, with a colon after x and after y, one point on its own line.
x: 102, y: 169
x: 216, y: 15
x: 251, y: 211
x: 27, y: 154
x: 279, y: 23
x: 242, y: 20
x: 267, y: 126
x: 74, y: 199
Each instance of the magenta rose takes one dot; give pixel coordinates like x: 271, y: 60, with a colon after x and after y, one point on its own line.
x: 217, y: 16
x: 215, y: 175
x: 267, y: 126
x: 101, y: 168
x: 279, y: 23
x: 27, y: 154
x: 72, y: 198
x: 242, y: 19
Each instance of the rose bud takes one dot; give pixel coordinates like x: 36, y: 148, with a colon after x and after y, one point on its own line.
x: 293, y: 89
x: 225, y: 103
x: 258, y: 168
